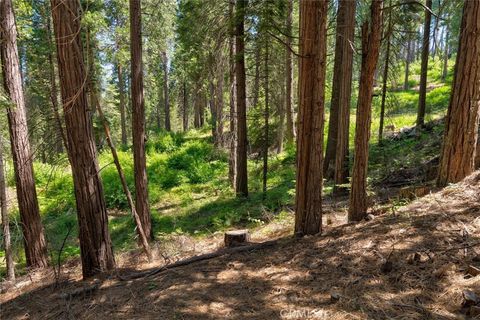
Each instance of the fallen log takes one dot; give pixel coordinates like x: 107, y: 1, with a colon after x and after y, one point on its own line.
x: 207, y: 256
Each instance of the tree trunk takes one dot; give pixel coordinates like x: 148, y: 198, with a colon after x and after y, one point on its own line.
x: 126, y: 190
x: 197, y: 106
x: 168, y: 126
x: 232, y: 163
x: 336, y: 156
x: 213, y: 110
x: 256, y: 81
x: 202, y: 104
x: 281, y: 121
x: 53, y: 86
x: 424, y: 67
x: 461, y: 131
x: 242, y: 175
x: 95, y: 244
x: 121, y: 89
x: 385, y: 77
x: 408, y: 59
x: 185, y: 107
x: 138, y: 119
x: 159, y: 106
x: 445, y: 56
x: 371, y: 39
x: 34, y: 240
x: 219, y: 104
x: 290, y: 135
x: 266, y: 121
x: 313, y: 33
x: 5, y: 221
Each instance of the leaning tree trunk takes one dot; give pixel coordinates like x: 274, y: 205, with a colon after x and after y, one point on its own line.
x: 242, y: 175
x: 461, y: 131
x: 424, y: 68
x: 5, y: 221
x: 232, y: 163
x: 371, y: 38
x: 136, y: 218
x: 313, y: 32
x: 336, y: 155
x: 95, y: 244
x: 290, y: 135
x: 138, y: 119
x: 33, y: 237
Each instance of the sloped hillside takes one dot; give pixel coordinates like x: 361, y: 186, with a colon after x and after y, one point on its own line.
x: 413, y: 263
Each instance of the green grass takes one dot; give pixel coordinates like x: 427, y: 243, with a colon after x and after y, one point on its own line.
x: 188, y: 185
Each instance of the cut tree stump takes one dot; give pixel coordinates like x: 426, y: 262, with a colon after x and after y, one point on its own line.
x: 236, y: 237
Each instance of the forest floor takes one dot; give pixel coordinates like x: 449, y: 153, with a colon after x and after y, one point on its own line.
x: 411, y: 262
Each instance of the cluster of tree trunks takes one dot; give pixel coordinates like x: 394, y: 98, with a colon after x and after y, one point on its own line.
x: 313, y: 30
x: 336, y: 155
x: 95, y: 244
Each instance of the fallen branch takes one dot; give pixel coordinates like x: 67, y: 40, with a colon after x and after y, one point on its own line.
x: 207, y: 256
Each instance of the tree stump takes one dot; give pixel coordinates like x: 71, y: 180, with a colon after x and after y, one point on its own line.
x: 236, y: 237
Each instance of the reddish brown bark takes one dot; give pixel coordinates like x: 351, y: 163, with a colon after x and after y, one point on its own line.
x: 138, y: 119
x: 336, y: 155
x: 313, y: 22
x: 5, y: 221
x: 33, y: 237
x: 371, y: 38
x: 290, y: 134
x: 232, y: 163
x: 53, y: 85
x: 95, y: 244
x: 241, y: 161
x: 461, y: 131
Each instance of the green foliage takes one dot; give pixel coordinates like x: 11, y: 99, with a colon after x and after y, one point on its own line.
x: 165, y: 142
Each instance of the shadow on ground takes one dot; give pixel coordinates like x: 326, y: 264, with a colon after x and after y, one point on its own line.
x: 410, y: 265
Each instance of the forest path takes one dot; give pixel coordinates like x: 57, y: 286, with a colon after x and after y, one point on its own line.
x: 408, y: 265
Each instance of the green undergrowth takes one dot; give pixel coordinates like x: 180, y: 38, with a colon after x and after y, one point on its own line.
x: 189, y: 189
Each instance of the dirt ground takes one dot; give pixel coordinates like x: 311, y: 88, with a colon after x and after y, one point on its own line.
x: 408, y: 263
